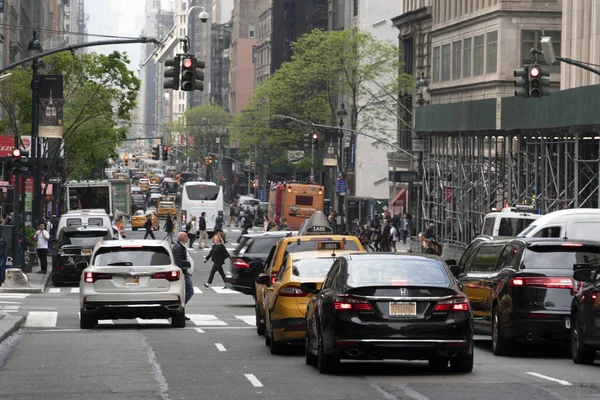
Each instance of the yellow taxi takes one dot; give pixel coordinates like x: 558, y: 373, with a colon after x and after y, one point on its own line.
x: 144, y: 184
x: 166, y: 206
x: 139, y: 219
x: 154, y: 180
x: 314, y: 231
x: 285, y: 301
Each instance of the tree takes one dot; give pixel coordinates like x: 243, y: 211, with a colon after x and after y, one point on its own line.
x: 99, y: 97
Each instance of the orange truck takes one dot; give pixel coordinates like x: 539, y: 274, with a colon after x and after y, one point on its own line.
x: 294, y: 202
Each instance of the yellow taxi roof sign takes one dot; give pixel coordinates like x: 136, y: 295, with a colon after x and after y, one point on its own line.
x: 317, y: 224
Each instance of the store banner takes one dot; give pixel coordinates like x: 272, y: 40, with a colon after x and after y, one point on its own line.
x: 51, y: 106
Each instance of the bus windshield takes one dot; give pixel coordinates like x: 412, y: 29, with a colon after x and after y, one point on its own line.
x: 202, y: 192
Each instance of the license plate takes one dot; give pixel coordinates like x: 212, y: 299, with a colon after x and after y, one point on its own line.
x: 131, y: 280
x: 567, y: 323
x: 403, y: 309
x: 86, y: 252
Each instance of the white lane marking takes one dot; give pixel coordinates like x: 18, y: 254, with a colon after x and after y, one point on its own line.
x: 253, y: 380
x: 106, y: 322
x: 223, y: 290
x: 54, y: 290
x: 75, y: 290
x: 199, y: 330
x: 249, y: 319
x: 163, y: 385
x: 205, y: 319
x: 549, y: 378
x: 220, y: 347
x: 197, y: 290
x: 41, y: 319
x: 10, y: 302
x: 9, y: 308
x: 152, y: 321
x: 13, y: 295
x: 231, y: 248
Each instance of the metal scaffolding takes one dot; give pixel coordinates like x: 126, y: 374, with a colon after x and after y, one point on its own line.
x: 465, y: 176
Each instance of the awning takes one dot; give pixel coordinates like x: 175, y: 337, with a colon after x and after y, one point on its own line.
x: 400, y: 199
x: 48, y: 191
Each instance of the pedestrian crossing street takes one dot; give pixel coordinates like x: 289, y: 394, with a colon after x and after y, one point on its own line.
x: 54, y: 319
x: 197, y: 290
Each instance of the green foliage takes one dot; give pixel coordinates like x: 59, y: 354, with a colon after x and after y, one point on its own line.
x: 99, y: 98
x: 325, y: 66
x: 29, y: 233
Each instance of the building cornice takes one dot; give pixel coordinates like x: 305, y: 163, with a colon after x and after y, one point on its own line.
x: 418, y: 15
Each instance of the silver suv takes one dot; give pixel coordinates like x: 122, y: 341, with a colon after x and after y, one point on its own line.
x: 132, y: 279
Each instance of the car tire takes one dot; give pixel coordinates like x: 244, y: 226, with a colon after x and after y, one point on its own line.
x: 501, y: 346
x: 462, y: 363
x: 178, y: 321
x: 438, y: 364
x: 267, y: 338
x: 87, y: 321
x: 326, y: 364
x: 260, y: 326
x: 277, y: 348
x: 57, y: 280
x: 309, y: 358
x: 579, y: 353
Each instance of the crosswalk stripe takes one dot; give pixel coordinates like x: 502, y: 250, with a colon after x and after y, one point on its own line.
x: 249, y: 319
x: 205, y: 319
x: 13, y: 295
x: 41, y: 319
x: 153, y: 321
x: 197, y: 290
x: 54, y: 290
x: 75, y: 290
x: 223, y: 290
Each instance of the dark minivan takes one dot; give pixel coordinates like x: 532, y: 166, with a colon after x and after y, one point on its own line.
x: 251, y: 248
x: 521, y: 289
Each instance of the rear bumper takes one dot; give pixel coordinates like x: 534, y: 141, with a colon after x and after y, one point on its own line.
x: 129, y: 310
x: 403, y: 349
x: 289, y: 330
x: 554, y: 326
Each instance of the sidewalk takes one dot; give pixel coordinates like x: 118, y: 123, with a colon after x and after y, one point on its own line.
x: 9, y: 324
x: 37, y: 282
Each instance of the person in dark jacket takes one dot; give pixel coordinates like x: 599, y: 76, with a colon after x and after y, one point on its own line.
x: 219, y: 223
x: 202, y: 234
x: 149, y: 227
x: 180, y: 254
x: 219, y: 254
x: 169, y: 229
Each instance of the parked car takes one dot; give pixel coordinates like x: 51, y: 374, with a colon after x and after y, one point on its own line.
x: 585, y: 313
x: 522, y: 288
x: 573, y: 223
x: 74, y: 244
x: 389, y: 306
x: 132, y: 279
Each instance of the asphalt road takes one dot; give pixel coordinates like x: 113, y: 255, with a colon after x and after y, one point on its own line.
x: 219, y: 356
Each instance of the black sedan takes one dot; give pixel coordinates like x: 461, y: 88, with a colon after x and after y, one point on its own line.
x: 74, y: 244
x: 389, y: 306
x: 248, y: 258
x: 585, y: 315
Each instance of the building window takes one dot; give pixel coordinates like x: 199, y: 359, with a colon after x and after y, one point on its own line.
x: 492, y: 52
x: 467, y: 58
x: 456, y: 59
x: 531, y: 39
x: 183, y: 5
x: 355, y: 9
x: 436, y: 64
x: 251, y: 31
x: 478, y: 55
x: 446, y: 62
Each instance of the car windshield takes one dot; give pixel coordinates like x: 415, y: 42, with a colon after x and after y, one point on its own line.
x: 312, y: 267
x: 130, y: 256
x: 396, y: 271
x: 312, y: 245
x: 85, y: 238
x: 138, y: 213
x: 560, y: 257
x: 202, y: 192
x: 251, y: 202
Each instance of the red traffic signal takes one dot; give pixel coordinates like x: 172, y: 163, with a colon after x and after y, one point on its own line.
x: 188, y: 63
x: 16, y: 153
x: 534, y: 72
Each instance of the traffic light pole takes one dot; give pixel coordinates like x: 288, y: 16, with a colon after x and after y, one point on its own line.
x: 36, y: 204
x: 16, y: 219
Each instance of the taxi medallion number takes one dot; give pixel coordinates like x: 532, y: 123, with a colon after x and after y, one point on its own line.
x: 403, y: 309
x: 131, y: 280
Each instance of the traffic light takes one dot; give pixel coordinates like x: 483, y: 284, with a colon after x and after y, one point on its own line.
x: 25, y: 162
x: 172, y: 68
x: 315, y: 139
x: 156, y: 152
x: 16, y: 162
x: 538, y: 82
x: 165, y: 153
x: 522, y: 84
x: 253, y: 165
x: 306, y: 140
x: 208, y: 160
x: 199, y: 77
x: 188, y: 74
x: 126, y: 160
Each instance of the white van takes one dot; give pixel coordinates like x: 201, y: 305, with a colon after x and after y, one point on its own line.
x: 576, y: 223
x: 509, y: 221
x: 88, y: 217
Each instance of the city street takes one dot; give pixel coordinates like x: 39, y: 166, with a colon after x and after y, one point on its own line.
x: 219, y: 356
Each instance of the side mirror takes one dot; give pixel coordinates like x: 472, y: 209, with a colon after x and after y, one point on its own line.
x: 81, y: 265
x: 455, y: 269
x: 309, y: 287
x: 256, y: 266
x: 583, y: 275
x: 264, y: 280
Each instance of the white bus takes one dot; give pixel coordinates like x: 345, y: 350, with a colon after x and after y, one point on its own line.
x: 199, y: 197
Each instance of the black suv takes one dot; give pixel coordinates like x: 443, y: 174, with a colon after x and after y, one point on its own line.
x: 522, y: 288
x: 74, y: 244
x: 585, y: 314
x: 248, y: 258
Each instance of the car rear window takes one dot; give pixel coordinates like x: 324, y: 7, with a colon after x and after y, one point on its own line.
x: 73, y: 221
x: 396, y: 272
x: 313, y: 245
x: 313, y: 267
x: 260, y: 245
x: 85, y: 238
x: 131, y: 256
x: 558, y: 257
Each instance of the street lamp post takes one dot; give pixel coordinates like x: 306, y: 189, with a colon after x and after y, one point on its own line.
x: 342, y: 113
x: 35, y: 47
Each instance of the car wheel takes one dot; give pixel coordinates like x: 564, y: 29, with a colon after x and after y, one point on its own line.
x: 309, y: 358
x: 87, y: 321
x: 277, y: 348
x: 579, y: 353
x: 260, y: 325
x: 462, y: 363
x: 326, y: 364
x: 178, y: 321
x: 500, y: 345
x: 57, y: 280
x: 267, y: 338
x: 438, y: 364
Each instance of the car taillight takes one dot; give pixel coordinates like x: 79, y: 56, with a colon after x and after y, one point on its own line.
x: 273, y: 277
x: 347, y: 303
x: 91, y: 277
x: 292, y: 291
x: 455, y: 304
x: 544, y: 282
x: 240, y: 264
x: 171, y: 276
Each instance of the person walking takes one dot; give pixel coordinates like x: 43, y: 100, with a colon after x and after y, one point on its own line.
x: 404, y: 229
x: 42, y: 236
x: 218, y: 253
x: 149, y: 226
x: 169, y: 229
x: 180, y: 253
x: 232, y: 214
x: 202, y: 234
x: 393, y: 236
x: 219, y: 223
x: 191, y: 231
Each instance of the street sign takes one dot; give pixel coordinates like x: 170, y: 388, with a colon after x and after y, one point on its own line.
x: 404, y: 176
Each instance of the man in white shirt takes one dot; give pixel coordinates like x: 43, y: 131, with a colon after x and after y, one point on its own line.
x: 42, y: 237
